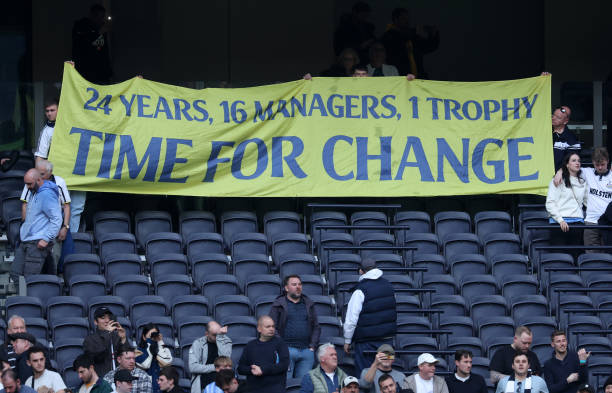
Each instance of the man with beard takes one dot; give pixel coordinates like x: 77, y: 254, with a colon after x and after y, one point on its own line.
x: 565, y: 370
x: 382, y: 365
x: 296, y: 322
x: 92, y: 383
x: 502, y: 362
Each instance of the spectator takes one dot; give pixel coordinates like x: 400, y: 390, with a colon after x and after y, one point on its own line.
x: 608, y: 385
x: 92, y: 383
x: 44, y: 141
x: 265, y: 360
x: 463, y: 381
x: 350, y: 385
x: 585, y: 388
x: 564, y: 202
x: 295, y: 318
x: 221, y: 363
x: 12, y: 384
x: 521, y: 380
x: 126, y: 359
x: 16, y: 324
x: 502, y: 362
x: 90, y: 46
x: 46, y: 172
x: 566, y: 369
x: 406, y: 46
x: 123, y: 381
x: 168, y: 380
x: 327, y: 377
x: 354, y: 31
x: 377, y: 65
x: 371, y: 315
x: 106, y: 339
x: 225, y: 381
x: 14, y: 353
x: 382, y: 365
x: 152, y: 354
x: 425, y: 381
x: 387, y: 384
x: 41, y: 226
x: 564, y: 140
x: 203, y: 353
x: 345, y: 62
x: 599, y: 194
x: 43, y: 380
x: 358, y: 71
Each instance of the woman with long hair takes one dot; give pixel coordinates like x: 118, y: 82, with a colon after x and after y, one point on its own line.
x: 565, y: 202
x: 152, y: 354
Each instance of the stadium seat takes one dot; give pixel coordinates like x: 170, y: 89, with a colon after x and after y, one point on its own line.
x: 540, y: 325
x: 322, y: 218
x: 233, y: 222
x: 553, y: 260
x: 532, y: 218
x: 163, y: 264
x: 193, y: 326
x: 584, y: 323
x: 116, y: 243
x: 541, y: 347
x: 111, y: 222
x: 522, y: 306
x: 494, y: 326
x: 496, y: 343
x: 121, y: 264
x: 288, y: 243
x: 405, y: 303
x: 162, y: 243
x: 203, y: 243
x: 487, y: 222
x: 11, y: 206
x: 435, y: 263
x: 205, y: 264
x: 418, y: 221
x: 460, y: 243
x: 368, y: 218
x: 70, y: 327
x: 130, y: 285
x: 487, y: 306
x: 313, y: 284
x: 262, y: 284
x: 227, y: 305
x: 12, y: 232
x: 444, y: 284
x: 281, y: 222
x: 147, y: 305
x: 83, y: 243
x: 333, y: 239
x: 386, y: 260
x: 215, y: 285
x: 43, y: 286
x: 170, y: 286
x: 330, y: 326
x: 341, y: 261
x: 238, y: 344
x: 323, y: 305
x: 599, y: 281
x: 451, y: 222
x: 297, y: 264
x: 81, y: 264
x: 293, y: 385
x: 240, y: 326
x: 412, y: 343
x: 562, y: 281
x: 480, y: 366
x: 37, y: 327
x: 450, y: 304
x: 406, y: 325
x: 425, y: 243
x: 186, y: 305
x: 148, y: 222
x: 343, y: 288
x: 24, y: 306
x: 247, y: 243
x: 249, y: 265
x: 64, y: 306
x: 87, y: 286
x: 501, y: 243
x: 66, y: 350
x: 400, y: 281
x: 114, y: 303
x: 374, y: 239
x: 263, y: 304
x: 473, y: 344
x: 180, y: 367
x: 478, y: 285
x: 465, y: 265
x: 594, y: 260
x: 506, y: 264
x: 593, y: 343
x: 196, y: 222
x: 518, y: 284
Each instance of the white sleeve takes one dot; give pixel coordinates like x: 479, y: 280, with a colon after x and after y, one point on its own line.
x: 552, y: 202
x: 25, y: 195
x: 44, y: 143
x: 352, y: 315
x: 58, y: 382
x: 63, y: 189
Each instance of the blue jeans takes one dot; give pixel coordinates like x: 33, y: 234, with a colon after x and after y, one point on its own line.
x: 363, y: 361
x: 77, y: 204
x: 300, y: 362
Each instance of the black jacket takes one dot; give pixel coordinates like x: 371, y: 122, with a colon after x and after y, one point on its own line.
x: 98, y: 345
x: 278, y: 313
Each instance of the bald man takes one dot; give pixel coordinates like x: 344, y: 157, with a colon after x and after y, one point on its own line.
x: 203, y: 353
x: 265, y: 360
x: 42, y: 223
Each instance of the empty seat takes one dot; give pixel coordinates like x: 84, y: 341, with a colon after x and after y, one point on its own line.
x: 203, y: 243
x: 462, y: 265
x: 495, y: 326
x: 526, y: 305
x: 83, y: 243
x: 460, y: 243
x: 549, y: 261
x: 495, y: 343
x: 215, y: 285
x: 487, y: 222
x: 289, y: 243
x: 227, y: 305
x: 562, y: 281
x: 81, y: 264
x: 473, y: 344
x: 444, y: 284
x: 262, y: 284
x: 163, y: 242
x: 248, y: 265
x: 350, y: 262
x: 148, y: 222
x: 571, y: 301
x: 584, y: 324
x: 129, y: 286
x: 478, y: 285
x: 418, y: 221
x: 594, y: 260
x: 487, y: 306
x: 599, y: 281
x: 385, y: 260
x: 425, y: 243
x: 205, y: 264
x: 501, y: 243
x: 187, y: 305
x: 411, y: 326
x: 451, y: 222
x: 281, y: 222
x: 411, y: 343
x: 405, y: 304
x: 458, y: 325
x: 518, y: 284
x: 66, y: 350
x: 163, y: 264
x: 324, y: 305
x: 70, y: 327
x: 234, y: 222
x: 37, y: 327
x: 192, y: 327
x: 400, y: 281
x: 450, y: 304
x: 24, y: 306
x: 247, y: 243
x: 313, y: 284
x: 332, y: 239
x: 65, y: 306
x: 116, y: 243
x: 122, y: 264
x: 385, y: 241
x: 506, y: 264
x: 147, y: 305
x: 263, y: 304
x: 593, y: 343
x: 43, y: 286
x: 330, y: 326
x: 480, y: 366
x: 532, y: 218
x: 368, y: 218
x: 297, y: 264
x: 322, y: 218
x: 87, y: 286
x: 240, y: 326
x: 111, y: 222
x: 196, y: 222
x: 172, y: 285
x: 435, y: 263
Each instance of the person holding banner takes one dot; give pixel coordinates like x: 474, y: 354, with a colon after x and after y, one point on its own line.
x: 564, y: 202
x: 564, y: 140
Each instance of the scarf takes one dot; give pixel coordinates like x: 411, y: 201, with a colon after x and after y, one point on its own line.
x: 510, y: 388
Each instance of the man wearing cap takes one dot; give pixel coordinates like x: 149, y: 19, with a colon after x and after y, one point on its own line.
x: 350, y: 385
x: 521, y: 380
x: 123, y: 381
x: 92, y: 383
x: 22, y: 343
x: 585, y: 388
x: 203, y: 353
x: 127, y: 362
x: 16, y: 324
x: 107, y: 338
x: 382, y: 365
x: 43, y: 380
x: 502, y: 362
x: 371, y: 315
x: 566, y: 369
x: 425, y: 381
x: 463, y: 381
x: 327, y: 377
x: 12, y: 383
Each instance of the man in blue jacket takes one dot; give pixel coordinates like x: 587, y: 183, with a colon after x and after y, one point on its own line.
x: 41, y: 226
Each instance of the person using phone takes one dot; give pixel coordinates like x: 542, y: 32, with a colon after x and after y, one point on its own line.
x: 152, y: 354
x: 382, y: 365
x: 107, y: 338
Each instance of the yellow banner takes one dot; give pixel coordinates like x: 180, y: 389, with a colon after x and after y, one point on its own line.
x: 323, y: 137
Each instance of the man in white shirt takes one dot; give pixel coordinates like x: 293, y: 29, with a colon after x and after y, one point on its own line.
x: 43, y: 380
x: 599, y: 184
x: 425, y: 381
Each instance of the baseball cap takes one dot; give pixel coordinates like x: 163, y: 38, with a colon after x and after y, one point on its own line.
x: 585, y: 387
x: 386, y: 348
x: 124, y: 376
x: 349, y: 380
x: 23, y: 336
x: 102, y: 311
x: 426, y: 358
x: 368, y: 264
